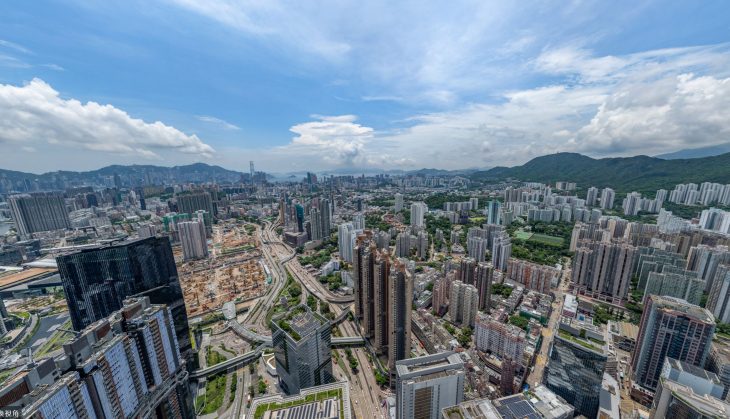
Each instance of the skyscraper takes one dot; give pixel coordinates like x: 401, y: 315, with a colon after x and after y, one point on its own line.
x: 188, y: 203
x: 302, y: 348
x: 591, y: 196
x: 718, y: 301
x: 463, y: 303
x: 193, y: 240
x: 398, y: 202
x: 126, y: 365
x: 38, y: 212
x: 483, y: 282
x: 501, y: 251
x: 607, y: 197
x: 346, y: 241
x: 687, y: 391
x: 494, y: 210
x: 604, y: 268
x: 400, y: 300
x: 575, y: 372
x: 383, y: 299
x: 418, y: 211
x: 97, y: 280
x: 315, y: 222
x: 477, y: 248
x: 427, y: 384
x: 670, y: 327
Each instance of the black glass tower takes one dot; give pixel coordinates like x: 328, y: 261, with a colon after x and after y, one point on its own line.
x: 97, y: 280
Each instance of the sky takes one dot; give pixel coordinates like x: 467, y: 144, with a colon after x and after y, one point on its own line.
x: 343, y: 85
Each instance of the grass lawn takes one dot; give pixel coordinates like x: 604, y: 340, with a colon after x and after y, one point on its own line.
x: 214, y: 392
x: 56, y: 340
x: 545, y: 239
x: 522, y: 235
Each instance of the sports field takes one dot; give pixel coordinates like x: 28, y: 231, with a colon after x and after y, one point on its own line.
x: 549, y: 240
x: 522, y: 235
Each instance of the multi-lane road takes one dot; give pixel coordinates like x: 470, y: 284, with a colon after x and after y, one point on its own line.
x: 536, y: 376
x: 366, y: 394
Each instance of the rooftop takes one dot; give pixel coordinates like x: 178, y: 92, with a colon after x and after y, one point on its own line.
x: 708, y: 405
x: 18, y: 277
x: 682, y: 306
x: 429, y: 364
x: 331, y: 401
x: 300, y: 321
x: 539, y: 403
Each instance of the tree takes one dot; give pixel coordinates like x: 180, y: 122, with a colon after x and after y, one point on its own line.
x: 519, y: 321
x: 262, y: 386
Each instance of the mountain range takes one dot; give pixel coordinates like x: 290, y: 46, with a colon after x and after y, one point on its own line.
x: 694, y: 153
x: 624, y: 174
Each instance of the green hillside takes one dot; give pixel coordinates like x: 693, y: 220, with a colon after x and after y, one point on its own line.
x: 639, y: 173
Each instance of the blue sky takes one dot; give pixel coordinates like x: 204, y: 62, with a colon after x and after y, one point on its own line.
x: 342, y: 84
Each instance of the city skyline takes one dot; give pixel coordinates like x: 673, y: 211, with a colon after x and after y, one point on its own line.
x: 296, y: 87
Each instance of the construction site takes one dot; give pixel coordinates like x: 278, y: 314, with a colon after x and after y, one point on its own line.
x: 234, y: 271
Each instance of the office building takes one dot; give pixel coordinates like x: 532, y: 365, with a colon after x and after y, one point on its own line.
x: 302, y: 344
x: 670, y: 327
x: 427, y: 384
x: 418, y: 212
x: 193, y: 240
x: 346, y: 241
x: 38, y: 212
x: 398, y: 202
x: 575, y: 370
x: 687, y: 391
x: 96, y: 281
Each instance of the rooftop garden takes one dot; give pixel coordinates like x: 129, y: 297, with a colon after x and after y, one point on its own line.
x: 310, y: 398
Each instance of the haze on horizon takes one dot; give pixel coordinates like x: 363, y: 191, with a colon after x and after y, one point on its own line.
x: 297, y: 86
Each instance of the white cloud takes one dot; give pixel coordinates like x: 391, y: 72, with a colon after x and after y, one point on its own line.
x: 217, y: 121
x: 336, y: 140
x: 677, y: 112
x: 14, y: 46
x: 35, y: 114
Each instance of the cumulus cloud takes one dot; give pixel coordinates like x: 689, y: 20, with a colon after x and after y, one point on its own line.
x: 35, y: 113
x: 681, y: 111
x: 338, y: 140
